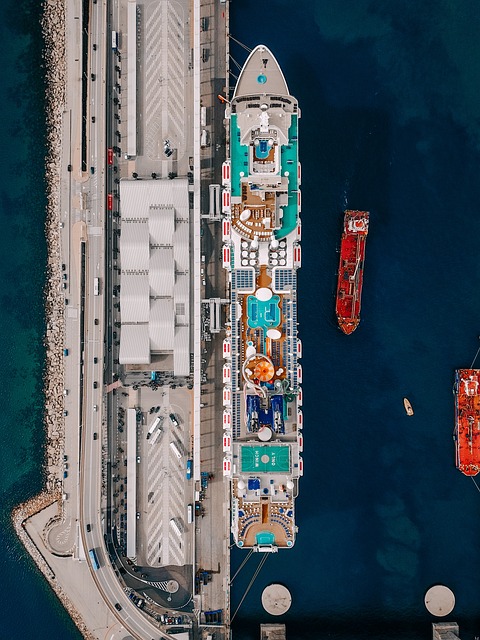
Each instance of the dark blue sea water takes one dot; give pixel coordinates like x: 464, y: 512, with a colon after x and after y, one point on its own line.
x: 390, y: 102
x: 390, y: 123
x: 28, y: 608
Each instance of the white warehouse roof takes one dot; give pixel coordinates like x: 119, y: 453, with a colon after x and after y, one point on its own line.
x: 162, y: 272
x: 135, y: 344
x: 134, y: 243
x: 155, y: 271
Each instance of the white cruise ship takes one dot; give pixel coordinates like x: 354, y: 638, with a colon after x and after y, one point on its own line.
x: 262, y: 419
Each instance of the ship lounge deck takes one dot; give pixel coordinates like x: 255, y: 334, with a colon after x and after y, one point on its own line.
x: 267, y: 514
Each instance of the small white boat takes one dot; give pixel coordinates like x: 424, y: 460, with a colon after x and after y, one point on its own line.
x: 408, y: 407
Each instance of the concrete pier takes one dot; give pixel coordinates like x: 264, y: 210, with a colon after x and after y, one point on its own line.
x: 272, y: 632
x: 445, y: 631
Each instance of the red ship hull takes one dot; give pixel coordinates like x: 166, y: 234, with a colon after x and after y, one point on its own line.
x: 467, y: 421
x: 350, y: 270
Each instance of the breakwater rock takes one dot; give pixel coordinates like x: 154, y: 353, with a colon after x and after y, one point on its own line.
x: 54, y: 33
x: 53, y: 29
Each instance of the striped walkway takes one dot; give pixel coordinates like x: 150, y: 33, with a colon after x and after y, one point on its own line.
x: 166, y: 65
x: 166, y: 499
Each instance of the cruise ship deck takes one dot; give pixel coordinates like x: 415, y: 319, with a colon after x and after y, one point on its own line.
x: 261, y: 231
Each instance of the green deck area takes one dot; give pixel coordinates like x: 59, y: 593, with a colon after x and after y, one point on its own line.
x: 265, y: 458
x: 290, y: 153
x: 238, y: 156
x: 288, y: 162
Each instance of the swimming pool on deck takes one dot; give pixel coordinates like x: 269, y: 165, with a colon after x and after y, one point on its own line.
x: 264, y: 314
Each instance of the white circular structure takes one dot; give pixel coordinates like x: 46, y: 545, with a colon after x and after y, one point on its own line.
x: 264, y: 434
x: 276, y: 599
x: 172, y: 586
x: 251, y: 351
x: 263, y: 294
x: 439, y: 600
x: 274, y: 334
x: 245, y: 215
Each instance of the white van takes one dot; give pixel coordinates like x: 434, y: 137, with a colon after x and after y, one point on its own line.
x: 175, y: 527
x: 204, y: 138
x: 175, y: 450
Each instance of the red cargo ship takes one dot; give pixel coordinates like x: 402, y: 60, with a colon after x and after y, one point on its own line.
x: 350, y: 271
x: 467, y: 420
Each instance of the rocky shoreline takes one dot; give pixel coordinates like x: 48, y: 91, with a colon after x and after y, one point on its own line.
x: 54, y: 60
x: 53, y: 28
